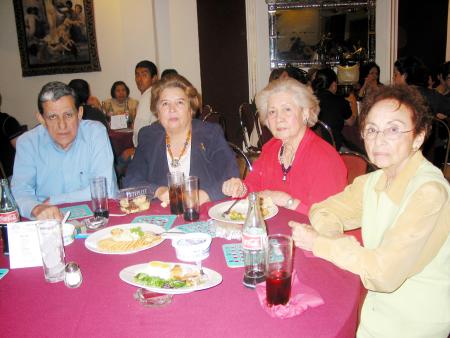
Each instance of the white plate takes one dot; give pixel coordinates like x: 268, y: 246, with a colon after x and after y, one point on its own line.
x: 91, y: 241
x: 242, y: 206
x: 127, y: 275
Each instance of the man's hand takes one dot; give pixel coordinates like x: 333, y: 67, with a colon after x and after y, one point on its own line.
x: 46, y: 211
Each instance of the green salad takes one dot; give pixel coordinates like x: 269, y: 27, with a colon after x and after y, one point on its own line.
x: 147, y: 280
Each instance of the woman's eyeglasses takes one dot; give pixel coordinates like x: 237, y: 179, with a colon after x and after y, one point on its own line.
x: 391, y: 133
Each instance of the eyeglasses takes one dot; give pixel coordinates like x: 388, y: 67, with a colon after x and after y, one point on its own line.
x: 391, y: 133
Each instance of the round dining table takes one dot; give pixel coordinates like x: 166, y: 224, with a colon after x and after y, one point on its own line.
x: 104, y: 306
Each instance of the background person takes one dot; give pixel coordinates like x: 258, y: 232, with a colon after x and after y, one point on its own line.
x: 180, y: 143
x: 296, y: 167
x: 10, y: 130
x: 82, y: 90
x: 120, y: 101
x: 335, y: 111
x: 403, y: 210
x: 146, y: 74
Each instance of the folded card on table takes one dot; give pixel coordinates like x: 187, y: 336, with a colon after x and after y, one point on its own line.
x: 24, y: 250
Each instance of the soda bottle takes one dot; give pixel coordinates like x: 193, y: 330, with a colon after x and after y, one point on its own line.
x: 9, y: 212
x: 254, y: 243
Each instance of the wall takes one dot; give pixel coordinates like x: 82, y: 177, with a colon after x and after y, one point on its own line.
x: 126, y: 33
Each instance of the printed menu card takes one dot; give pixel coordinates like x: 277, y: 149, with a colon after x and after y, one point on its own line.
x: 24, y: 250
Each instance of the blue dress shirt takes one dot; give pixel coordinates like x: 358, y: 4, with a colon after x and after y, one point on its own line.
x: 44, y: 171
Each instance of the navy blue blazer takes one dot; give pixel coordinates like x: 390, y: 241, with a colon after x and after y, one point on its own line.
x: 212, y: 160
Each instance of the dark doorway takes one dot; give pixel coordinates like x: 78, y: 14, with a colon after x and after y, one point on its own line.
x: 422, y: 30
x: 223, y: 59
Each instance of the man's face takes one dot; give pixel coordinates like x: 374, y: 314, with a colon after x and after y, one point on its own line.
x: 143, y: 79
x: 61, y: 118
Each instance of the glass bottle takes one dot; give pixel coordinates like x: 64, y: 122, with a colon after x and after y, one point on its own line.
x: 254, y: 243
x: 9, y: 213
x: 127, y: 114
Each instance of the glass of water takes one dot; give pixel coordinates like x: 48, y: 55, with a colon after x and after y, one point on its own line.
x: 52, y: 250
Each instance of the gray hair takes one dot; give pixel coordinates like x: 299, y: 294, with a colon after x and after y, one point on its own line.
x: 53, y: 91
x: 301, y: 94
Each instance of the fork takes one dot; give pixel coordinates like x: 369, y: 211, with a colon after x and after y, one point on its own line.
x: 226, y: 212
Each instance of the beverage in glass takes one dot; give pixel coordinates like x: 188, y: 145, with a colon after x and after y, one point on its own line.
x: 175, y: 183
x: 52, y: 250
x: 191, y: 199
x: 278, y: 269
x: 99, y: 197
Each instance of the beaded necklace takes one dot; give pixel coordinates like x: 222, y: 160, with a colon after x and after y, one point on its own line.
x: 284, y: 169
x: 175, y: 162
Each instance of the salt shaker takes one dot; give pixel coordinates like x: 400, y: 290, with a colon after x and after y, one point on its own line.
x: 72, y: 276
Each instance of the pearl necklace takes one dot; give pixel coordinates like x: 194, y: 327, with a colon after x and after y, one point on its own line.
x: 175, y: 162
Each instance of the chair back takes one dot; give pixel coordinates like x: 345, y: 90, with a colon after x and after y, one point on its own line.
x: 247, y: 120
x: 324, y: 131
x: 215, y: 117
x: 243, y: 161
x: 357, y: 164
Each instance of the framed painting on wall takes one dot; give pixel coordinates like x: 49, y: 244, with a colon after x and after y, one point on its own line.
x: 56, y: 37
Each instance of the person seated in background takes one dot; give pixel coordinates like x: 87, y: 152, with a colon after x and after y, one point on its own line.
x: 335, y: 111
x: 296, y: 167
x: 120, y: 102
x: 169, y: 71
x: 81, y: 88
x: 444, y: 80
x: 179, y: 143
x: 369, y: 79
x: 146, y: 74
x: 55, y: 161
x: 412, y: 71
x: 403, y: 210
x: 10, y: 130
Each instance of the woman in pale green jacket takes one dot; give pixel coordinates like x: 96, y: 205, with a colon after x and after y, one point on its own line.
x: 403, y: 210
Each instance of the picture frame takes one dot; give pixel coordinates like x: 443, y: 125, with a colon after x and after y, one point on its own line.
x: 305, y: 33
x: 56, y: 36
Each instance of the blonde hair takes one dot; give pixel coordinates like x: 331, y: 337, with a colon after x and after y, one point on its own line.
x: 301, y: 94
x: 175, y: 81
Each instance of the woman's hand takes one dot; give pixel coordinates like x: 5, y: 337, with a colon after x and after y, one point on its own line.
x: 303, y: 235
x: 280, y: 198
x: 162, y: 193
x: 234, y: 187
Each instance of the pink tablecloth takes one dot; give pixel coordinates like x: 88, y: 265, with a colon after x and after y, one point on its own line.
x: 104, y: 305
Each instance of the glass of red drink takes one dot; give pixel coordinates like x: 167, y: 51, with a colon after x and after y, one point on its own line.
x: 175, y: 182
x: 278, y: 269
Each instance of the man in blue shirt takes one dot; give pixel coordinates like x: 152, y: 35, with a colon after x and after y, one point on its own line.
x: 55, y: 161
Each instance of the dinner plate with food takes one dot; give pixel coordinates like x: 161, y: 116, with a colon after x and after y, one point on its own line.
x: 170, y: 278
x: 239, y: 211
x: 124, y: 239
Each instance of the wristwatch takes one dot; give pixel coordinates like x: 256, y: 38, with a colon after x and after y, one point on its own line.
x: 290, y: 202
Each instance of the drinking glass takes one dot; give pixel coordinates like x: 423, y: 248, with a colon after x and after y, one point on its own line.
x: 191, y: 199
x: 175, y: 183
x: 278, y: 269
x: 52, y: 250
x: 99, y: 197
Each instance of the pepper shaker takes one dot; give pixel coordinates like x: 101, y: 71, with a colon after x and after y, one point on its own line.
x: 72, y: 277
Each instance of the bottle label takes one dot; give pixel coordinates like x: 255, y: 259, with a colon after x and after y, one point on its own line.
x: 9, y: 217
x: 252, y: 242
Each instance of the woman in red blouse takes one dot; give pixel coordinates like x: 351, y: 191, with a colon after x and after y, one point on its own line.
x: 296, y: 167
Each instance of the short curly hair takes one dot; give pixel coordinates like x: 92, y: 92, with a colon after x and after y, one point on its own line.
x: 302, y: 95
x: 175, y: 81
x: 404, y: 95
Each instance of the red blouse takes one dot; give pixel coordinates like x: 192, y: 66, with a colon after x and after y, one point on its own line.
x: 317, y: 171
